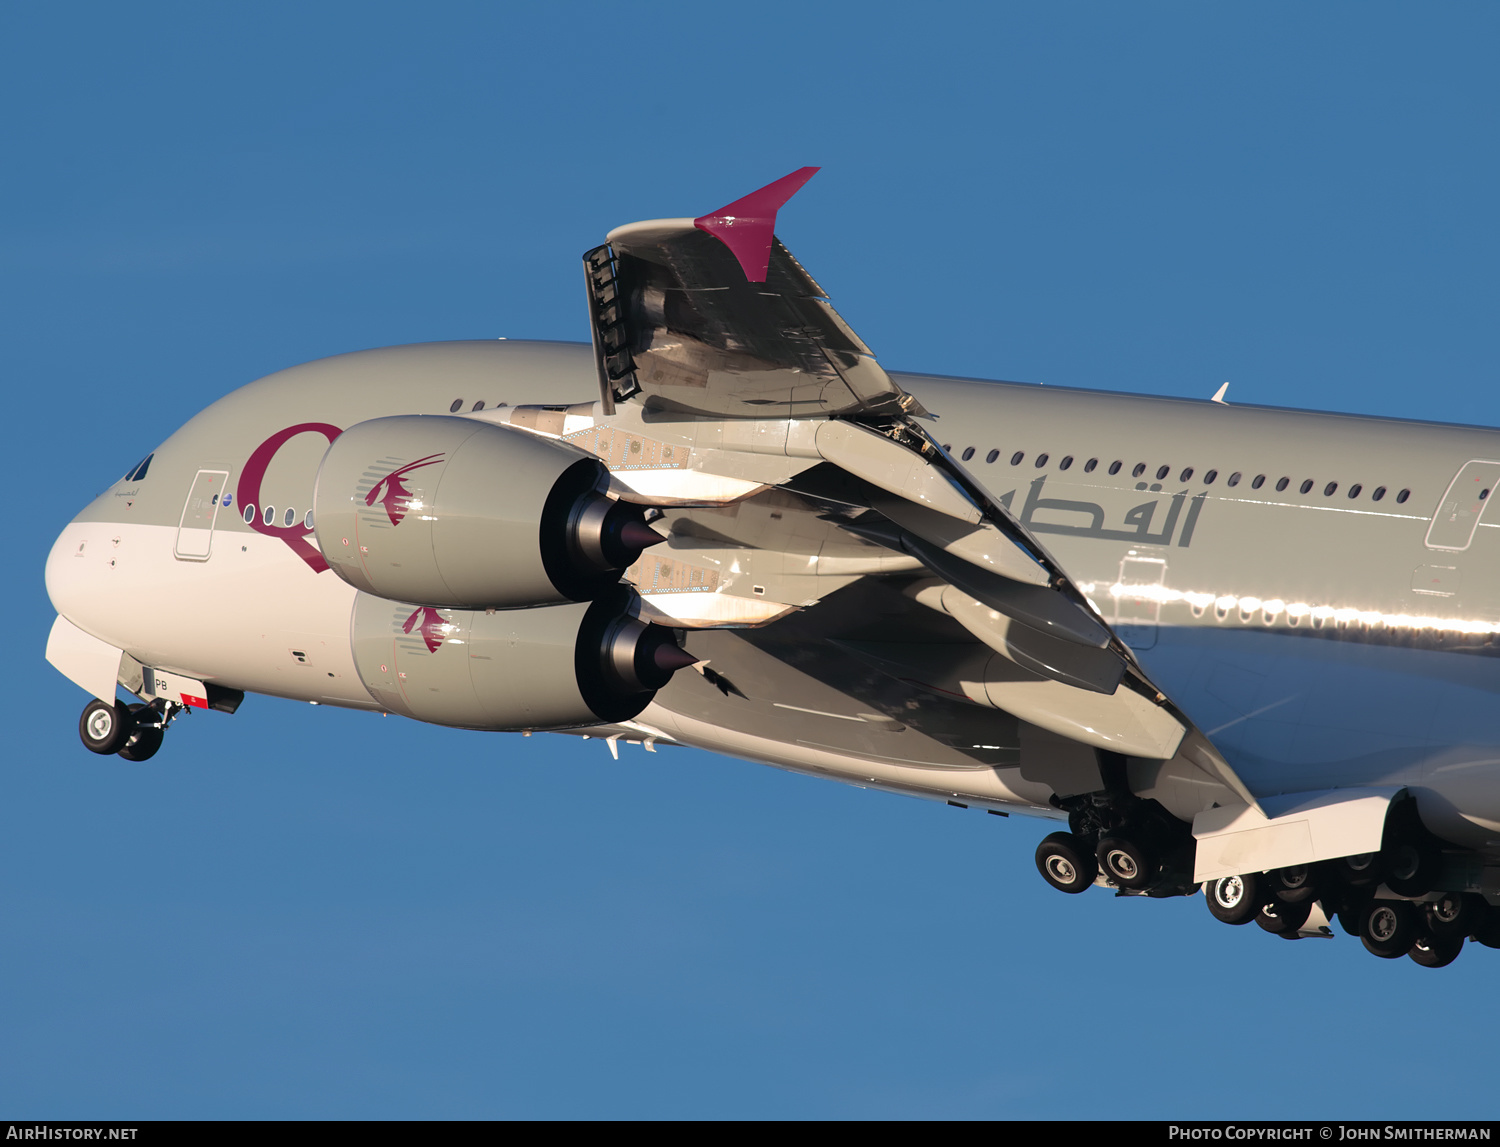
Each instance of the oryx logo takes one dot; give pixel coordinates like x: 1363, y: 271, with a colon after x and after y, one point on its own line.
x: 391, y: 491
x: 429, y: 623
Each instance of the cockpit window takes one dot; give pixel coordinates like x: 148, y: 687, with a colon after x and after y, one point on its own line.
x: 138, y: 471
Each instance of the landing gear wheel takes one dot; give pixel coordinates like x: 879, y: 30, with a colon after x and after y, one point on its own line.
x: 104, y: 728
x: 1066, y: 863
x: 1358, y: 871
x: 1283, y: 919
x: 1455, y: 914
x: 1412, y: 869
x: 1487, y: 931
x: 142, y: 743
x: 1348, y: 913
x: 1388, y: 928
x: 1126, y: 862
x: 1436, y: 951
x: 1293, y: 884
x: 1235, y: 899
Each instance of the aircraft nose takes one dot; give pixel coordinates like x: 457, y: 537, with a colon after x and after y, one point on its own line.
x: 83, y: 578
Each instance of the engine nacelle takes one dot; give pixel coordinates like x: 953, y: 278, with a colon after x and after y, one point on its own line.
x: 553, y: 667
x: 451, y: 512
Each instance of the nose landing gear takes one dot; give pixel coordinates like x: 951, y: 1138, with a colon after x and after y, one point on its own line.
x: 135, y: 732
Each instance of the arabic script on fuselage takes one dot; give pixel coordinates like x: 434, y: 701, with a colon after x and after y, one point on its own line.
x: 1079, y: 519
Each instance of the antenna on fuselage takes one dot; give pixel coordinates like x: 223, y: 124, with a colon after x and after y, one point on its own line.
x: 1219, y: 395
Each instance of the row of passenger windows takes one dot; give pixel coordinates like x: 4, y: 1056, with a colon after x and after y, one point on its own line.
x: 268, y: 516
x: 1209, y: 477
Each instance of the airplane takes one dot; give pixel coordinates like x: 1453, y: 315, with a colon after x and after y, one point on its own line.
x: 1239, y: 650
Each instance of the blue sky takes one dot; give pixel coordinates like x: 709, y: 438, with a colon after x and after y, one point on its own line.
x: 298, y: 912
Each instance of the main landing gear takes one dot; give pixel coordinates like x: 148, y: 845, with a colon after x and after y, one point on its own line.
x: 1391, y: 899
x: 1134, y: 845
x: 134, y: 732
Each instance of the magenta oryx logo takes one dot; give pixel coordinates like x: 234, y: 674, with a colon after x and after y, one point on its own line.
x: 429, y: 623
x: 391, y: 491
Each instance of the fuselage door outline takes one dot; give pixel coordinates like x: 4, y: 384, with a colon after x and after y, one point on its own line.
x: 1463, y: 504
x: 195, y: 529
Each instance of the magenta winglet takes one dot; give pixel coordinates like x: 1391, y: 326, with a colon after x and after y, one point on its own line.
x: 748, y: 225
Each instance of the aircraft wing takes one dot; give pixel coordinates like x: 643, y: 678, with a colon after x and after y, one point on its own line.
x: 711, y: 323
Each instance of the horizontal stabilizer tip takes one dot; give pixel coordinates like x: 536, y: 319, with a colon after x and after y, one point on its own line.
x: 747, y: 226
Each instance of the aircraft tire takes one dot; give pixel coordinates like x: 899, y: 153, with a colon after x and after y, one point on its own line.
x: 142, y: 744
x: 1412, y: 869
x: 103, y: 728
x: 1235, y: 899
x: 1388, y: 928
x: 1066, y: 863
x: 1293, y: 884
x: 1280, y: 918
x: 1455, y: 914
x: 1126, y: 863
x: 1487, y: 931
x: 1348, y: 914
x: 1436, y: 951
x: 1359, y: 871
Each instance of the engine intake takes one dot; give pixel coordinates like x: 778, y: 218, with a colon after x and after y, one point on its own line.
x: 454, y: 513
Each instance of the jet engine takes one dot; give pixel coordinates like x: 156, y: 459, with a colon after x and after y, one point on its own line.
x: 455, y: 513
x: 553, y: 667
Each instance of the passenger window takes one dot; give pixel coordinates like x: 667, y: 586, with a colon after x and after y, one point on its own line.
x: 1068, y: 461
x: 1114, y: 467
x: 1041, y: 460
x: 1257, y: 482
x: 289, y: 517
x: 1282, y: 484
x: 457, y: 403
x: 992, y: 455
x: 307, y: 520
x: 1330, y: 489
x: 1187, y: 475
x: 968, y: 453
x: 1405, y: 494
x: 1090, y: 466
x: 1234, y: 479
x: 1354, y: 490
x: 479, y: 405
x: 1378, y: 494
x: 1140, y: 468
x: 1208, y: 479
x: 1162, y: 472
x: 1305, y: 487
x: 1015, y: 459
x: 270, y: 515
x: 250, y: 513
